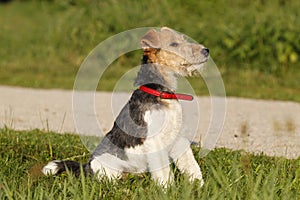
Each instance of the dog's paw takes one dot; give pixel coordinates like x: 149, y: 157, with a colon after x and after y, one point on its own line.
x: 198, y: 179
x: 201, y: 182
x: 51, y: 168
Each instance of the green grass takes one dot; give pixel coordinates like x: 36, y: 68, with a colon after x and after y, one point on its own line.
x: 256, y: 45
x: 228, y: 174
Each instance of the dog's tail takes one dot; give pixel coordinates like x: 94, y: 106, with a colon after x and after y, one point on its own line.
x: 57, y: 167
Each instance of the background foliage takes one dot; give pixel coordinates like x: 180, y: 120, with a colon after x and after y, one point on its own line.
x: 44, y: 42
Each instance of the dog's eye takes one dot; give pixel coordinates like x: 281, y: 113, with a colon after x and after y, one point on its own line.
x: 174, y: 44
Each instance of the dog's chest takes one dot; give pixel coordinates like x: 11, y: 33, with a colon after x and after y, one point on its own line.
x: 163, y: 129
x: 164, y: 123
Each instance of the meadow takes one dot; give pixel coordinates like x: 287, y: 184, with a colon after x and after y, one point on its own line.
x: 228, y: 174
x: 43, y: 43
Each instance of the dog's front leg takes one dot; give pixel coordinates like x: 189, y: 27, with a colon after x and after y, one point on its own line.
x: 184, y: 160
x: 159, y: 166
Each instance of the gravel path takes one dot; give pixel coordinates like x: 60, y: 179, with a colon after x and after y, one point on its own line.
x: 272, y: 127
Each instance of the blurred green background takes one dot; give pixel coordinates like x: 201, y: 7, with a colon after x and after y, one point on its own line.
x: 255, y: 44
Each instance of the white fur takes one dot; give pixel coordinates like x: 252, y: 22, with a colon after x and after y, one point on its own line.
x: 153, y: 154
x: 51, y: 168
x: 183, y: 158
x: 163, y: 124
x: 108, y: 165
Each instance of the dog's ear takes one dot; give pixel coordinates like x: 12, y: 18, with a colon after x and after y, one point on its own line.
x: 168, y: 32
x: 151, y: 40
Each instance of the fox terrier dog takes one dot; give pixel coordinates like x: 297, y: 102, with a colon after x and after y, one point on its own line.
x: 146, y: 134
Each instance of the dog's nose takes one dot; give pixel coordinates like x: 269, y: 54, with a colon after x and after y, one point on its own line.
x: 205, y: 51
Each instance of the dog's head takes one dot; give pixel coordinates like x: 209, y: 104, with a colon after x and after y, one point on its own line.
x: 170, y: 49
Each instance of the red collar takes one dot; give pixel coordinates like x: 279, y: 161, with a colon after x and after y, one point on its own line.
x: 166, y: 95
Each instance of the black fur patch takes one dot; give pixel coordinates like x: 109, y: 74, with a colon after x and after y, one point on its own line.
x: 72, y: 166
x: 129, y: 128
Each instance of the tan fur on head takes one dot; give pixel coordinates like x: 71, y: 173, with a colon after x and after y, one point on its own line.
x: 170, y: 49
x: 168, y: 60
